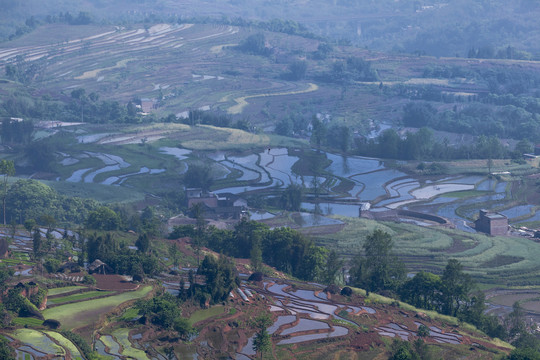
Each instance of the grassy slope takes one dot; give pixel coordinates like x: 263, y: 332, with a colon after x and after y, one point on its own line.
x: 429, y: 249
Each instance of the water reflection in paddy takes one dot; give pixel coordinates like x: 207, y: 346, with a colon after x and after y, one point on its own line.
x: 305, y: 325
x: 337, y: 331
x: 281, y: 320
x: 350, y: 210
x: 374, y: 183
x: 518, y: 211
x: 345, y: 166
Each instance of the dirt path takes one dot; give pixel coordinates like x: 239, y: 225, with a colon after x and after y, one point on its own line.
x: 241, y: 102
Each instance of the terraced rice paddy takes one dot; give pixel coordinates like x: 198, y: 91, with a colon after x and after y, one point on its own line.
x: 82, y: 313
x: 308, y: 315
x: 39, y: 344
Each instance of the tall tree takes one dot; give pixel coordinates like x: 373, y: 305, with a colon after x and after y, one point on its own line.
x: 256, y: 254
x: 262, y: 342
x: 7, y: 169
x: 379, y: 268
x: 422, y: 290
x: 143, y: 243
x: 173, y: 254
x: 332, y: 268
x: 37, y: 243
x: 456, y: 286
x: 318, y: 132
x: 197, y: 212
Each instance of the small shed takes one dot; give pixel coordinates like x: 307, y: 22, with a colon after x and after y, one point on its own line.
x: 99, y: 267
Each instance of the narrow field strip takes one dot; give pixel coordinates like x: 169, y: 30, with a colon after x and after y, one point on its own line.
x: 241, y: 102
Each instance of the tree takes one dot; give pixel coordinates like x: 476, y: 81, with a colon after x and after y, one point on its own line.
x: 37, y: 243
x: 332, y: 268
x: 199, y: 176
x: 297, y: 70
x: 255, y: 44
x: 173, y: 254
x: 418, y: 114
x: 7, y: 169
x: 103, y: 218
x: 291, y: 198
x: 423, y: 290
x: 379, y: 269
x: 318, y: 134
x: 221, y: 277
x: 456, y: 286
x: 197, y: 212
x: 256, y: 255
x: 262, y: 342
x: 6, y: 351
x: 515, y: 321
x: 143, y: 243
x: 402, y: 350
x: 29, y: 199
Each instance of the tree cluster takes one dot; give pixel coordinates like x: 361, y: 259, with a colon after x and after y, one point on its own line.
x: 378, y: 269
x: 220, y: 278
x: 507, y: 121
x: 119, y: 257
x: 350, y: 70
x: 422, y: 146
x: 256, y: 45
x: 283, y: 248
x: 30, y: 199
x: 164, y: 311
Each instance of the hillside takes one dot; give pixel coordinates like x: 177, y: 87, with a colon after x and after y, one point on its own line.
x: 413, y: 27
x: 307, y: 321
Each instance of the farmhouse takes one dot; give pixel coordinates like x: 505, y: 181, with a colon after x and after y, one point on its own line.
x: 226, y: 206
x: 492, y: 223
x: 147, y: 105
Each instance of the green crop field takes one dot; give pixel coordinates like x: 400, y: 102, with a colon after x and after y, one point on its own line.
x: 489, y: 259
x: 85, y: 312
x: 204, y: 314
x: 63, y: 290
x: 79, y: 297
x: 67, y: 344
x: 122, y: 336
x: 39, y: 341
x: 26, y: 321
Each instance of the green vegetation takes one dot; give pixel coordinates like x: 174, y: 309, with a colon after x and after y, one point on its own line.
x: 27, y: 321
x: 203, y: 314
x: 424, y: 248
x: 79, y: 297
x: 63, y: 290
x: 6, y: 352
x: 82, y: 313
x: 73, y: 350
x: 122, y: 336
x: 38, y: 340
x: 283, y: 248
x: 164, y: 311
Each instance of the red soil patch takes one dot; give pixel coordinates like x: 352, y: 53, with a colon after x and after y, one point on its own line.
x: 113, y: 282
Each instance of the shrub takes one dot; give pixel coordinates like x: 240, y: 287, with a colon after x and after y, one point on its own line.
x: 51, y: 323
x: 423, y: 331
x: 346, y: 291
x: 256, y: 276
